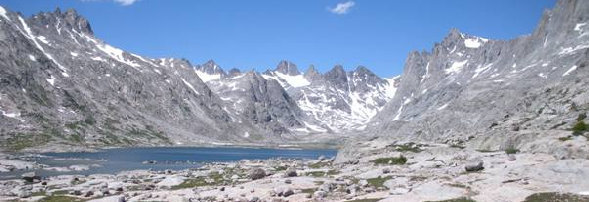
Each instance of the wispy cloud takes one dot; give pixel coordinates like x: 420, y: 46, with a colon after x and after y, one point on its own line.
x: 122, y: 2
x: 125, y: 2
x: 342, y: 8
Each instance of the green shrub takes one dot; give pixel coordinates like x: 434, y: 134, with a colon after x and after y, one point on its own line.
x: 391, y: 161
x: 581, y: 117
x: 461, y: 199
x: 580, y: 128
x: 378, y: 182
x: 366, y: 200
x: 511, y: 150
x: 567, y: 138
x: 554, y: 196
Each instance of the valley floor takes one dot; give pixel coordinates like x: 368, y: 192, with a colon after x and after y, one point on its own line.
x: 391, y: 172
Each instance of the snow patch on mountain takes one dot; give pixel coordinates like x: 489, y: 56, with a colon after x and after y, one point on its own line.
x: 456, y: 67
x: 207, y: 77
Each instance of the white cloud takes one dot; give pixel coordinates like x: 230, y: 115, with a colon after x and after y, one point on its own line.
x: 122, y: 2
x: 125, y: 2
x: 342, y: 8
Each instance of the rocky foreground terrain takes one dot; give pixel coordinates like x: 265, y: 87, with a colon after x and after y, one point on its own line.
x: 402, y: 171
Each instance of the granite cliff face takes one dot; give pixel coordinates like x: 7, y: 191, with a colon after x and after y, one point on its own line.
x: 493, y: 94
x: 62, y: 85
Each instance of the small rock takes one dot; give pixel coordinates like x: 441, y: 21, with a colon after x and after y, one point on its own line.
x: 363, y: 183
x: 25, y: 194
x: 474, y: 166
x: 222, y: 189
x: 76, y: 192
x: 320, y: 194
x: 321, y: 158
x: 30, y: 177
x: 89, y: 194
x: 511, y: 157
x: 386, y: 170
x: 255, y: 199
x: 291, y: 172
x: 288, y: 181
x: 399, y: 191
x: 287, y: 192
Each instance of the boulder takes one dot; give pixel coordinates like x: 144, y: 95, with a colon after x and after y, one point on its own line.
x: 291, y: 172
x: 287, y: 192
x: 320, y: 194
x: 30, y: 177
x: 257, y: 173
x: 474, y: 166
x: 24, y: 194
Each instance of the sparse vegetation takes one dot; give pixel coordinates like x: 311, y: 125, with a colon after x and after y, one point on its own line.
x: 212, y: 180
x: 60, y: 199
x: 461, y: 199
x: 511, y: 150
x: 319, y: 164
x: 24, y: 140
x: 567, y: 138
x: 366, y: 200
x: 391, y: 161
x: 580, y: 128
x: 308, y: 191
x: 316, y: 173
x: 581, y: 117
x: 407, y: 147
x: 555, y: 197
x: 378, y: 182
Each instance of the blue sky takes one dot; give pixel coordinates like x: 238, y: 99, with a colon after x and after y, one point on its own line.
x: 257, y: 34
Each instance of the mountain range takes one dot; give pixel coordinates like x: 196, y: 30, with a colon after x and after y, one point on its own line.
x: 61, y: 85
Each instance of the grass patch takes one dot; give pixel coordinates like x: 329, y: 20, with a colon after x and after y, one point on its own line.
x: 280, y: 168
x: 580, y: 127
x: 485, y: 151
x: 457, y: 146
x: 555, y: 197
x: 217, y: 179
x: 25, y: 140
x: 333, y: 172
x: 59, y: 192
x: 407, y: 147
x: 511, y: 150
x: 461, y: 199
x: 319, y: 164
x: 316, y: 174
x: 40, y: 193
x: 390, y: 161
x: 366, y: 200
x: 457, y: 185
x: 308, y: 191
x: 378, y: 182
x: 564, y: 139
x: 60, y: 199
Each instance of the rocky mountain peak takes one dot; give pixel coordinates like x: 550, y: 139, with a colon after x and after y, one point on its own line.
x: 233, y: 72
x: 312, y: 74
x: 212, y: 68
x: 70, y: 19
x: 288, y: 68
x: 337, y: 76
